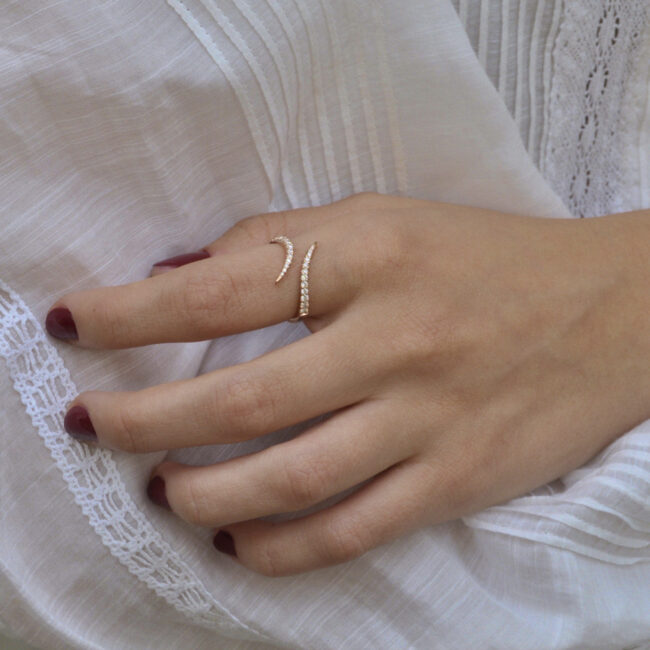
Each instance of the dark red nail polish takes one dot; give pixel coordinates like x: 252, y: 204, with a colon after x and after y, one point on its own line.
x: 77, y: 423
x: 180, y: 260
x: 156, y: 492
x: 224, y: 542
x: 59, y: 323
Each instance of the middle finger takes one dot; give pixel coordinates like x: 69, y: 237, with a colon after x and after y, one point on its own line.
x: 314, y: 375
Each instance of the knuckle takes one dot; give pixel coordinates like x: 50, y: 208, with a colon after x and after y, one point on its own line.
x: 269, y: 558
x: 305, y: 482
x: 128, y: 431
x: 198, y: 295
x: 248, y: 228
x: 204, y: 295
x: 260, y: 228
x: 109, y: 318
x: 385, y: 249
x: 365, y: 200
x: 192, y: 503
x: 343, y: 540
x: 426, y: 338
x: 455, y: 488
x: 246, y: 404
x: 388, y: 244
x: 272, y: 223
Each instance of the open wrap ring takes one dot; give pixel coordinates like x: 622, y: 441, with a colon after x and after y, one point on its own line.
x: 303, y: 306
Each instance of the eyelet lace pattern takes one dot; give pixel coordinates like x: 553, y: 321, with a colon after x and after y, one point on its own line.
x: 45, y: 388
x: 574, y: 78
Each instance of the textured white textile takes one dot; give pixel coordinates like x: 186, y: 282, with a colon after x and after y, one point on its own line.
x: 134, y: 131
x: 574, y: 75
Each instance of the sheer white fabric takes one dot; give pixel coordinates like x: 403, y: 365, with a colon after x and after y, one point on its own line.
x: 136, y: 131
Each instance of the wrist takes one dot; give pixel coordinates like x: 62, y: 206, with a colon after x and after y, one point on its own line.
x: 621, y: 250
x: 627, y: 236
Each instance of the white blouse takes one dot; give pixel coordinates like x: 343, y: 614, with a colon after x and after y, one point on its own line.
x: 131, y: 132
x: 574, y: 76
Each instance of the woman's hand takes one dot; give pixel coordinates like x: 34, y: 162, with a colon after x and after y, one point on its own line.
x: 468, y: 357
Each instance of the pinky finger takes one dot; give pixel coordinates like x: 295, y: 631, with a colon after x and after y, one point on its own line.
x: 389, y: 506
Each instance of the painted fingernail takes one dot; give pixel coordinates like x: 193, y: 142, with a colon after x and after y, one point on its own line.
x: 224, y: 542
x: 60, y: 324
x: 180, y: 260
x: 77, y: 423
x: 156, y: 492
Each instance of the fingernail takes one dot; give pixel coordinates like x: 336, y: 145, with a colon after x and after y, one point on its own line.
x: 180, y: 260
x: 156, y: 492
x: 59, y: 323
x: 224, y: 542
x: 77, y: 423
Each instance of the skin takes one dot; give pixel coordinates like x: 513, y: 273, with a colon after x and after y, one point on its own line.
x: 468, y: 357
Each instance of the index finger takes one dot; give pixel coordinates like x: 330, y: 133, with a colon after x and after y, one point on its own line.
x: 221, y: 295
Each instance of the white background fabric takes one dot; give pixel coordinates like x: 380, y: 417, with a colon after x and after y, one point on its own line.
x: 136, y: 131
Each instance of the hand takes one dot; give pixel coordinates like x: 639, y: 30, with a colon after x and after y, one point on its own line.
x: 467, y: 357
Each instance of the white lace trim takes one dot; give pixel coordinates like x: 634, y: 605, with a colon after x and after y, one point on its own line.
x: 635, y: 133
x: 595, y: 55
x: 574, y: 76
x: 45, y: 388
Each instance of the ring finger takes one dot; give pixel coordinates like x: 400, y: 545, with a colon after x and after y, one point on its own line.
x: 351, y: 446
